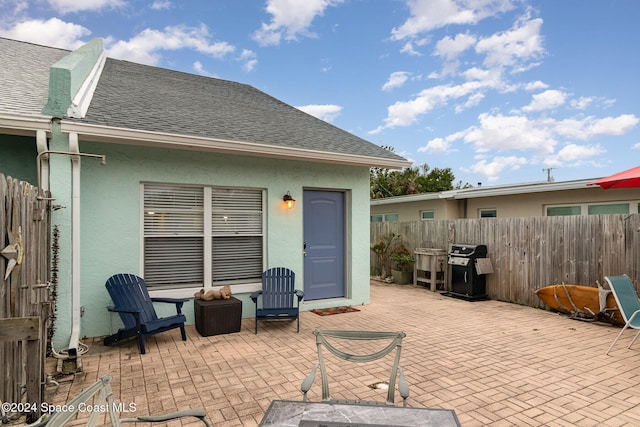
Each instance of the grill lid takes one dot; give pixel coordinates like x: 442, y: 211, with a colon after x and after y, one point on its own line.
x: 464, y: 250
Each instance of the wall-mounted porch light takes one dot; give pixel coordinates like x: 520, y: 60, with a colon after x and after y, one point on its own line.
x: 288, y: 200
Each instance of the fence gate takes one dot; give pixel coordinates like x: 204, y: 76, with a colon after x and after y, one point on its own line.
x: 25, y: 308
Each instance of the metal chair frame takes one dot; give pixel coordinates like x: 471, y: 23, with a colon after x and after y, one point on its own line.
x: 396, y: 370
x: 101, y: 389
x: 628, y: 303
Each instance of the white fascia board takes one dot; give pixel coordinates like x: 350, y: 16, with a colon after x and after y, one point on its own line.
x: 100, y: 133
x: 24, y: 125
x: 498, y: 190
x: 415, y: 198
x: 472, y: 193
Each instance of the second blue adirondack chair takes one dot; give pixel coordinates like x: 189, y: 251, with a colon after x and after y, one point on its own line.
x: 278, y: 296
x: 132, y: 302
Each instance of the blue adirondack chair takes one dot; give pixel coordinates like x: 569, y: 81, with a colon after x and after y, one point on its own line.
x: 278, y: 295
x: 132, y: 302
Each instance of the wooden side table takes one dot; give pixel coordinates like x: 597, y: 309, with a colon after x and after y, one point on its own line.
x: 433, y: 262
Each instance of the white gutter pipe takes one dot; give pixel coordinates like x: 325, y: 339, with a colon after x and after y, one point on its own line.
x: 74, y: 152
x: 75, y: 247
x: 41, y: 144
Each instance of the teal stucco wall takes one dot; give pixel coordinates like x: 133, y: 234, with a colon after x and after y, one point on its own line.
x: 18, y: 157
x: 111, y: 217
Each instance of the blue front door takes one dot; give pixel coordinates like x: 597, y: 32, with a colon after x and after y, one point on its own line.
x: 324, y: 242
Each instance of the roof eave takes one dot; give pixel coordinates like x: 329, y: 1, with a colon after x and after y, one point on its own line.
x: 24, y: 125
x: 101, y: 133
x: 523, y: 189
x: 413, y: 198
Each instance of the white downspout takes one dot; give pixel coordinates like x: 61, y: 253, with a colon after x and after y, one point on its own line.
x: 75, y: 246
x: 72, y: 351
x: 41, y: 144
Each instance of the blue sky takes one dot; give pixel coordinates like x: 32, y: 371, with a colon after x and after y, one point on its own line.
x: 497, y: 90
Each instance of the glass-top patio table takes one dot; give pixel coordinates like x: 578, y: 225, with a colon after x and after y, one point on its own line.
x: 285, y: 413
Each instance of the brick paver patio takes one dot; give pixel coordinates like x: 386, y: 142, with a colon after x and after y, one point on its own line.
x: 494, y: 363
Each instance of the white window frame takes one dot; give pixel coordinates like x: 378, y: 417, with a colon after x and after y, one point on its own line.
x: 384, y: 217
x: 492, y: 210
x: 208, y: 235
x: 629, y: 207
x: 634, y: 206
x: 431, y: 211
x: 379, y: 216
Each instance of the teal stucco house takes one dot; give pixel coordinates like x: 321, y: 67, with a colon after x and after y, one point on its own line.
x: 180, y: 179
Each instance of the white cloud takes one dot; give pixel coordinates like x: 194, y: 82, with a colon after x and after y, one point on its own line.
x: 68, y: 6
x: 409, y: 49
x: 13, y: 8
x: 405, y: 113
x: 396, y: 79
x: 161, y: 5
x: 537, y: 85
x: 493, y: 168
x: 199, y: 68
x: 52, y: 32
x: 636, y: 146
x: 505, y: 133
x: 499, y: 133
x: 449, y: 48
x: 472, y: 101
x: 326, y: 112
x: 546, y: 100
x: 514, y: 48
x: 289, y: 19
x: 436, y: 146
x: 145, y: 47
x: 249, y: 58
x: 519, y: 133
x: 574, y: 155
x: 582, y: 103
x: 442, y: 145
x: 591, y: 127
x: 427, y: 15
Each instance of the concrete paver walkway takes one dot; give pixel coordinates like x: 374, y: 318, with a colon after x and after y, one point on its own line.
x: 494, y: 363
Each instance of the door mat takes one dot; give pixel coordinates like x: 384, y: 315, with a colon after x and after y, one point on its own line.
x: 334, y: 310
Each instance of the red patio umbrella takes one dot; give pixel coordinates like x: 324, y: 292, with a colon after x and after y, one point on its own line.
x: 625, y: 179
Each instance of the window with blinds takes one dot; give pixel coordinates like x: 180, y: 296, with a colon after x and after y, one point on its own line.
x: 192, y: 230
x: 236, y: 234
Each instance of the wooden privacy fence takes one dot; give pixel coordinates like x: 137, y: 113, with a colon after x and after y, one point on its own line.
x: 530, y: 253
x: 25, y: 308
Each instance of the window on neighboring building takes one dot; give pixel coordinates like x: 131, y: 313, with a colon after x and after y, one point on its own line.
x: 563, y: 210
x: 390, y: 217
x: 488, y: 213
x: 591, y: 209
x: 427, y: 215
x: 194, y: 236
x: 613, y: 208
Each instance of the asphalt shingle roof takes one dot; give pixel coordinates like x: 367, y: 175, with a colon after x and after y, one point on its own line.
x: 24, y: 76
x: 141, y: 97
x: 145, y: 98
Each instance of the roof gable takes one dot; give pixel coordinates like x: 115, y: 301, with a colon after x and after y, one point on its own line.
x: 145, y: 105
x: 152, y: 99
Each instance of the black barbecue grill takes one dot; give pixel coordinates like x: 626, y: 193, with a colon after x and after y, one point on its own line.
x: 468, y: 280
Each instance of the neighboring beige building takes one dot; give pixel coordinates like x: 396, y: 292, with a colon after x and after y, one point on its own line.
x: 505, y: 201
